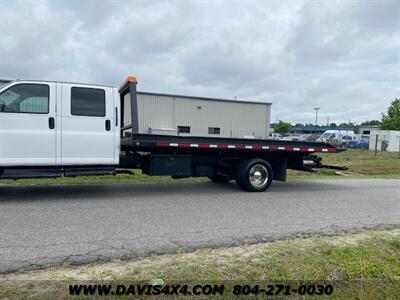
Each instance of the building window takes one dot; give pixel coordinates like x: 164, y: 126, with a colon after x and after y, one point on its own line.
x: 183, y: 129
x: 88, y: 102
x: 25, y: 98
x: 366, y: 132
x: 214, y: 130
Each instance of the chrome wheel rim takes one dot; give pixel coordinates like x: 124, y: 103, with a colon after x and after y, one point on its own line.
x: 258, y: 175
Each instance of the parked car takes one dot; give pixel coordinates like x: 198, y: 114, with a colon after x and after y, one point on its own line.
x: 312, y: 137
x: 290, y: 138
x: 274, y: 136
x: 357, y: 144
x: 303, y: 137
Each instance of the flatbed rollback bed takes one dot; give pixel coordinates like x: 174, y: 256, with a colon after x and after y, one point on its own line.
x: 252, y: 163
x: 85, y: 140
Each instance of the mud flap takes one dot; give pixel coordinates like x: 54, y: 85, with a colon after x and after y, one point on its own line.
x: 279, y: 167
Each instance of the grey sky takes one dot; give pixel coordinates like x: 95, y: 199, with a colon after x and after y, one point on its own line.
x: 340, y: 56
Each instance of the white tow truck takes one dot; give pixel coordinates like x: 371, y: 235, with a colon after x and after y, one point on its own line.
x: 53, y: 129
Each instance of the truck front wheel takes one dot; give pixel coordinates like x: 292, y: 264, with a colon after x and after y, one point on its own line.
x: 254, y: 175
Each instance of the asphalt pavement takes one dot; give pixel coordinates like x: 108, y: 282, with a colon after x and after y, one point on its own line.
x: 41, y: 226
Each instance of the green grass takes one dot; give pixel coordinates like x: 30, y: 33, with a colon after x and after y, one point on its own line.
x: 365, y: 162
x: 361, y: 164
x: 362, y: 265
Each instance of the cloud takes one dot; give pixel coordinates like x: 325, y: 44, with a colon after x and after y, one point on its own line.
x: 340, y: 56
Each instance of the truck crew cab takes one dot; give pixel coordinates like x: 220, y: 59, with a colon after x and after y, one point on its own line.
x: 53, y: 129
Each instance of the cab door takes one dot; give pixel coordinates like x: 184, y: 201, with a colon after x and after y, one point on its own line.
x: 27, y: 124
x: 87, y: 126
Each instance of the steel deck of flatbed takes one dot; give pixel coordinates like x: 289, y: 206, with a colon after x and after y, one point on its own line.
x: 151, y: 141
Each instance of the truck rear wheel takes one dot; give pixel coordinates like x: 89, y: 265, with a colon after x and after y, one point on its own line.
x: 219, y: 179
x: 254, y: 175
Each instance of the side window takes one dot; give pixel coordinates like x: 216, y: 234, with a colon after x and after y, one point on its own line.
x: 35, y: 105
x: 25, y: 98
x: 213, y: 130
x: 183, y: 129
x: 88, y: 102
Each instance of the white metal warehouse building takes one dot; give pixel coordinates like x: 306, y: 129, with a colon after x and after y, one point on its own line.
x: 385, y: 140
x: 200, y: 116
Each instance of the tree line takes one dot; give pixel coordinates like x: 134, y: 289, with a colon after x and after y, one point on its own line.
x: 389, y: 121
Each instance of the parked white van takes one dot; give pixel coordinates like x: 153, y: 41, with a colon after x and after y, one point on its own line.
x: 337, y: 136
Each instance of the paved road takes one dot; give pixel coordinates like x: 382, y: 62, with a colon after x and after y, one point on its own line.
x: 42, y: 226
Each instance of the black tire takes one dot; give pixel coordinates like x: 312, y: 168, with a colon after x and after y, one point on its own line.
x: 219, y: 179
x: 254, y: 175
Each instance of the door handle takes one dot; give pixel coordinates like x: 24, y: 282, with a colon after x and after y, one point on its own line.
x: 108, y: 125
x: 51, y: 123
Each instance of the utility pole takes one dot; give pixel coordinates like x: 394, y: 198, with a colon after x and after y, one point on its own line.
x: 316, y: 117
